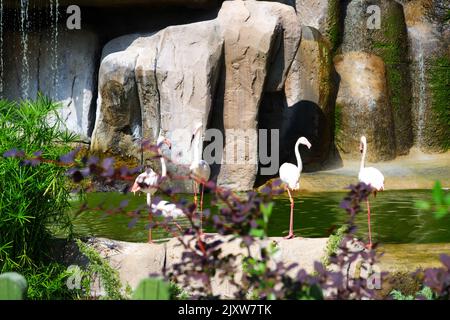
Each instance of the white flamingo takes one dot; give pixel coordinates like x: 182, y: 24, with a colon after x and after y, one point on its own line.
x: 199, y: 168
x: 148, y: 182
x: 370, y: 176
x: 290, y: 175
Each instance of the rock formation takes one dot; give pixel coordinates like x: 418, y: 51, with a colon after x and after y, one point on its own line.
x: 239, y: 67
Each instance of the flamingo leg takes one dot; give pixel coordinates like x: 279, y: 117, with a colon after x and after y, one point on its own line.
x: 150, y: 217
x: 369, y: 246
x: 178, y: 226
x: 291, y: 222
x: 201, y: 209
x: 195, y: 195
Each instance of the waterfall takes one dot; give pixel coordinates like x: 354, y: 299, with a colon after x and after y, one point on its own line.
x: 421, y: 108
x: 1, y: 49
x: 54, y: 16
x: 25, y: 74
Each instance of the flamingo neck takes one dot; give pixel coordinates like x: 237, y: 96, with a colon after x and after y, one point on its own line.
x: 363, y: 158
x: 297, y: 155
x: 196, y: 147
x: 163, y: 166
x: 149, y: 200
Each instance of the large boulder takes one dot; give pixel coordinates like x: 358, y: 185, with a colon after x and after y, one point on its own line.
x: 310, y: 94
x: 118, y: 126
x: 429, y: 38
x: 364, y: 106
x: 64, y: 72
x: 390, y: 42
x: 251, y: 31
x: 177, y: 79
x: 157, y: 83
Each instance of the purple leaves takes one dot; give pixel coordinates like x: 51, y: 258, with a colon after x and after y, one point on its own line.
x: 14, y: 153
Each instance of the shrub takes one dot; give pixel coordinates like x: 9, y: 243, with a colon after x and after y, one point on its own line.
x: 32, y: 196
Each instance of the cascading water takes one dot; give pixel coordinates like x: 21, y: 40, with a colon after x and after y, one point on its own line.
x: 421, y: 108
x: 25, y: 74
x: 54, y: 16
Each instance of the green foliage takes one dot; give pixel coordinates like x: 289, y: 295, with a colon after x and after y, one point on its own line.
x: 263, y: 223
x: 440, y: 92
x: 426, y: 293
x: 33, y: 197
x: 109, y: 277
x: 48, y: 282
x: 176, y: 292
x: 333, y: 243
x: 152, y: 289
x: 333, y: 24
x: 441, y: 202
x: 12, y: 286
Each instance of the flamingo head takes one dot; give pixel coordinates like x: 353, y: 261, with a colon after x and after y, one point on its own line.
x: 163, y: 140
x: 362, y: 144
x: 197, y: 128
x: 304, y: 141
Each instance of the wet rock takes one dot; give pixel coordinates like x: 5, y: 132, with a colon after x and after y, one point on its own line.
x: 390, y: 43
x: 71, y: 82
x: 322, y: 15
x: 310, y: 94
x: 251, y: 30
x: 118, y: 123
x: 363, y: 102
x: 429, y: 38
x: 177, y: 79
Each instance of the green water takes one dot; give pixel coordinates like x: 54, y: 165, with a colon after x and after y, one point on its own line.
x: 394, y: 218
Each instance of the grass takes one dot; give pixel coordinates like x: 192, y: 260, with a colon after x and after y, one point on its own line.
x: 33, y: 197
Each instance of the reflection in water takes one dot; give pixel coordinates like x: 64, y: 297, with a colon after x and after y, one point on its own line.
x: 394, y: 218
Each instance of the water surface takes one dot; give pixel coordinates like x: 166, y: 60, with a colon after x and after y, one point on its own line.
x: 395, y: 220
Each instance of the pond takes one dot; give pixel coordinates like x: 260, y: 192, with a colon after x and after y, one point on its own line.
x: 395, y: 220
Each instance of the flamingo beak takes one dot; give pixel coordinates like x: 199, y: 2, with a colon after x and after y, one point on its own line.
x: 168, y: 143
x: 309, y: 145
x: 361, y: 148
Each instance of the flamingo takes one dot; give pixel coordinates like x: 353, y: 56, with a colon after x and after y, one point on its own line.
x: 199, y: 168
x: 148, y: 182
x: 370, y: 176
x: 290, y: 175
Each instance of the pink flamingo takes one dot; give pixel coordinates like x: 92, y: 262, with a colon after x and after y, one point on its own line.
x: 148, y: 181
x: 199, y: 168
x: 290, y: 175
x: 370, y: 176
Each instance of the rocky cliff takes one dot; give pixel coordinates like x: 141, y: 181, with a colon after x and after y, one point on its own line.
x: 315, y: 68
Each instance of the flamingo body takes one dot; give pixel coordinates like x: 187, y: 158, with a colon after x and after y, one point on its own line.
x: 201, y: 170
x: 373, y: 177
x: 167, y: 209
x: 290, y: 174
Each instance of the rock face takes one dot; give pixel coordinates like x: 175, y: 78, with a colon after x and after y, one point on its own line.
x: 311, y: 92
x: 137, y: 261
x: 73, y: 84
x: 162, y: 82
x: 118, y: 126
x: 390, y: 43
x: 322, y: 15
x: 250, y: 30
x: 429, y: 37
x: 363, y: 102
